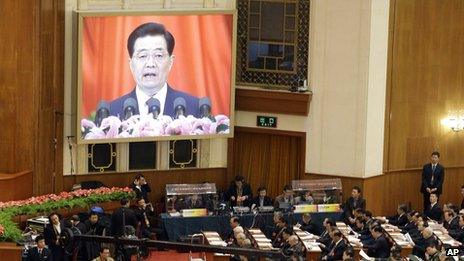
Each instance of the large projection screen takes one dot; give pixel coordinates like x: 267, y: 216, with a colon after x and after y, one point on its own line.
x: 155, y: 76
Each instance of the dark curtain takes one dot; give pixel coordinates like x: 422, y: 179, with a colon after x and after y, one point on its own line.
x: 267, y: 160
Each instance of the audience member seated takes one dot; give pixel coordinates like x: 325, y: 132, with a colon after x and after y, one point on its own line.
x: 285, y: 198
x: 294, y: 249
x: 380, y: 248
x: 145, y: 213
x: 104, y: 255
x: 419, y: 240
x: 413, y: 217
x: 330, y: 197
x: 77, y: 224
x: 351, y: 204
x: 123, y: 216
x: 462, y: 194
x: 40, y: 252
x: 451, y: 221
x: 93, y: 226
x: 277, y: 235
x: 458, y: 233
x: 325, y: 237
x: 262, y: 199
x: 52, y: 236
x: 239, y: 192
x: 348, y: 254
x: 432, y: 252
x: 362, y: 229
x: 307, y: 225
x: 430, y: 237
x: 336, y: 252
x: 234, y: 223
x: 401, y: 219
x: 141, y: 187
x: 434, y: 211
x: 305, y: 199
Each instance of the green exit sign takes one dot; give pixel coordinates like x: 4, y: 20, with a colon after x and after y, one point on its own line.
x: 266, y: 121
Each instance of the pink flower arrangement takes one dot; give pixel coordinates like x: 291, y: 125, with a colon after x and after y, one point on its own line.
x: 147, y: 126
x: 63, y: 196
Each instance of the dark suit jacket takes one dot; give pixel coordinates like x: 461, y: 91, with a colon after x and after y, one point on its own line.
x: 336, y: 253
x: 117, y: 106
x: 350, y: 206
x: 457, y: 234
x: 398, y: 220
x: 380, y: 248
x: 246, y: 191
x: 309, y: 227
x: 434, y: 213
x: 117, y: 227
x: 438, y: 177
x: 142, y: 192
x: 453, y: 225
x: 267, y: 201
x: 50, y: 236
x: 33, y: 255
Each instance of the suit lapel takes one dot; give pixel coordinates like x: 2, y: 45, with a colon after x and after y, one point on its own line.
x: 169, y: 103
x: 133, y: 95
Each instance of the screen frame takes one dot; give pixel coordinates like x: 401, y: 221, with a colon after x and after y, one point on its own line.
x: 81, y: 15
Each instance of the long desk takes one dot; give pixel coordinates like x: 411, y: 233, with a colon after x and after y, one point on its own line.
x: 176, y: 227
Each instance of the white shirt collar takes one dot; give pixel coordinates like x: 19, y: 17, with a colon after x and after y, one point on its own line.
x: 143, y: 97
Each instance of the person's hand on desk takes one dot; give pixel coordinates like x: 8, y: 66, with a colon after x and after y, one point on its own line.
x: 232, y: 198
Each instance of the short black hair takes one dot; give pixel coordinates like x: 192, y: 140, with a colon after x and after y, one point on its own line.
x: 337, y: 233
x: 239, y: 178
x: 287, y: 187
x: 261, y: 189
x: 403, y: 207
x: 235, y: 220
x: 378, y: 229
x: 367, y: 213
x: 331, y: 222
x: 123, y: 201
x: 357, y: 188
x: 349, y: 252
x: 51, y: 215
x: 38, y: 238
x: 435, y: 153
x: 103, y: 249
x: 138, y: 176
x: 151, y: 29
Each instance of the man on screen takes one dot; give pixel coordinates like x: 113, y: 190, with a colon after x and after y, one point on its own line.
x: 150, y: 48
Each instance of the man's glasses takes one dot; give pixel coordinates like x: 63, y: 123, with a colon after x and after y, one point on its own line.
x: 158, y: 56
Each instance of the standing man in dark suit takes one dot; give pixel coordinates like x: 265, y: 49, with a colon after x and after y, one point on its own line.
x: 39, y: 253
x: 239, y: 192
x: 52, y: 236
x: 123, y: 216
x: 141, y: 187
x: 433, y: 175
x: 353, y: 203
x: 150, y: 48
x: 433, y: 210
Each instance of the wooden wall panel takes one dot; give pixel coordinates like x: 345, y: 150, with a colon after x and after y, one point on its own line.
x: 157, y: 180
x: 15, y: 186
x: 426, y: 79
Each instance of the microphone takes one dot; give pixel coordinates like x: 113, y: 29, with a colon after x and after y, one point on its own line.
x: 179, y: 107
x: 129, y: 108
x: 204, y: 105
x: 154, y: 106
x: 103, y: 112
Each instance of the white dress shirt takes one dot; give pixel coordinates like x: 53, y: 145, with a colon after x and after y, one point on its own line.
x: 142, y: 98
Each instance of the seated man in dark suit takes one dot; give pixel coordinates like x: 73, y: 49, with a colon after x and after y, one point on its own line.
x: 123, y: 216
x: 239, y: 192
x: 362, y: 229
x: 462, y: 194
x: 401, y: 219
x: 434, y: 211
x: 458, y: 233
x: 40, y: 252
x: 413, y: 217
x: 262, y: 199
x: 279, y: 228
x: 194, y: 201
x: 140, y: 187
x: 451, y: 220
x: 286, y: 197
x: 325, y: 236
x: 150, y: 48
x: 353, y: 203
x: 307, y: 225
x: 380, y: 248
x: 336, y: 252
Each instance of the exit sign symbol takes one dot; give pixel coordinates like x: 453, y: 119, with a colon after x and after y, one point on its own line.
x: 266, y: 121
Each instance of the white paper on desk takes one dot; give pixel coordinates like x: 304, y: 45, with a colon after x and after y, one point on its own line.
x: 364, y: 255
x: 259, y: 236
x: 312, y: 246
x: 213, y: 238
x: 409, y: 239
x: 263, y: 240
x: 218, y: 243
x: 254, y: 231
x: 211, y: 234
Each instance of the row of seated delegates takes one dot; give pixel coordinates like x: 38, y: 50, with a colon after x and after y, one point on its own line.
x: 284, y: 238
x: 237, y: 238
